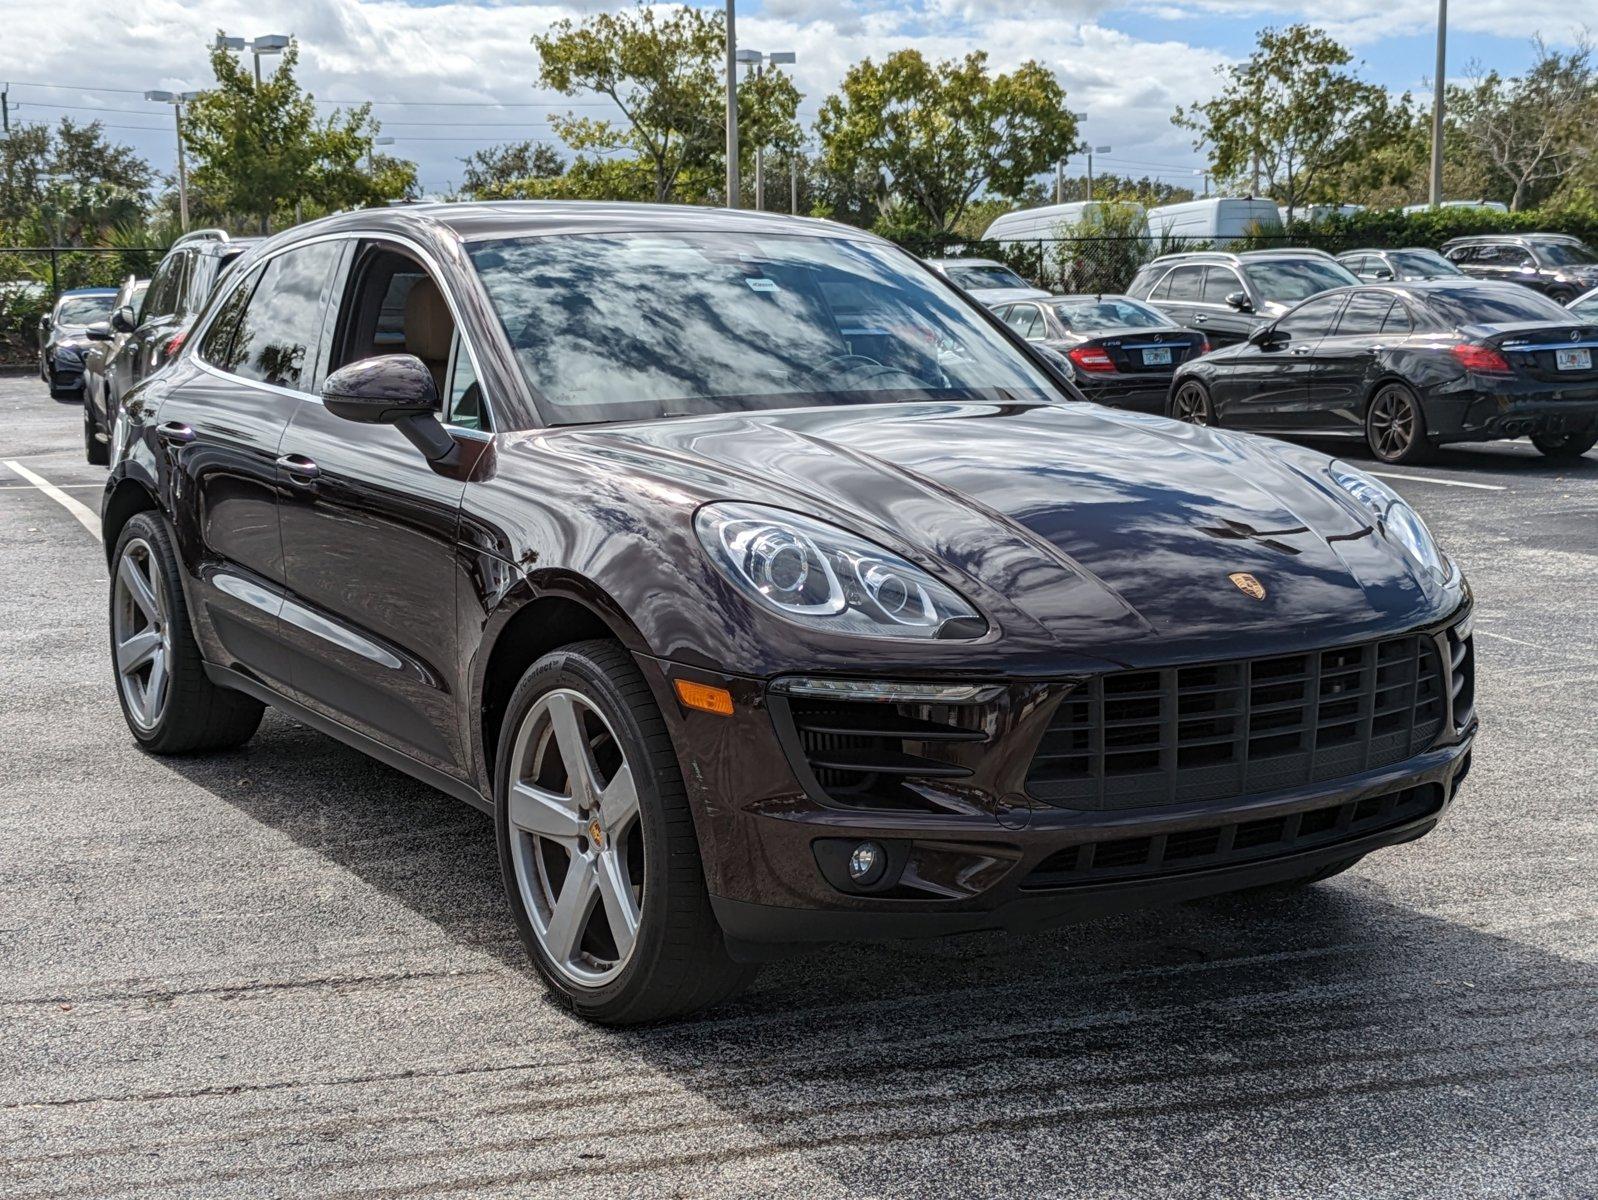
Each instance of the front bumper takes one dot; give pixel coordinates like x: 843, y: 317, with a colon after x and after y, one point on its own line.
x: 990, y: 846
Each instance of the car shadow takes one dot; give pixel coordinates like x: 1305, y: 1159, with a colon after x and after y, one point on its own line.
x: 1518, y: 458
x: 1243, y: 1040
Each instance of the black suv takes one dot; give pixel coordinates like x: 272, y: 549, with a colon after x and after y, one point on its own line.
x: 1558, y: 265
x: 155, y: 331
x: 1226, y: 297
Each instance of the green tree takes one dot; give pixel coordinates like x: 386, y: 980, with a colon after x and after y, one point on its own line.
x: 1530, y: 132
x: 665, y: 75
x: 492, y: 170
x: 69, y: 185
x: 938, y: 134
x: 260, y: 151
x: 1296, y: 116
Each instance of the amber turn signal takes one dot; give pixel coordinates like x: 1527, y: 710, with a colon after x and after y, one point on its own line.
x: 704, y: 697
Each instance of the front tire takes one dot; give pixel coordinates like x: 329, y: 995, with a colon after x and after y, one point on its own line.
x: 170, y: 704
x: 96, y: 451
x: 1395, y: 426
x: 597, y: 846
x: 1564, y: 447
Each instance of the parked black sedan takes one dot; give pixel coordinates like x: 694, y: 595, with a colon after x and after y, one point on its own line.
x: 64, y: 338
x: 759, y: 583
x: 1556, y: 264
x: 1122, y: 353
x: 1398, y: 266
x: 1409, y: 367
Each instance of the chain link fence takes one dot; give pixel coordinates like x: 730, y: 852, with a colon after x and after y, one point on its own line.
x: 31, y: 277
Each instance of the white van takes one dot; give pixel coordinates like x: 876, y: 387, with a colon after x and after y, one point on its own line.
x: 1495, y: 205
x: 1040, y: 224
x: 1314, y: 214
x: 1220, y: 220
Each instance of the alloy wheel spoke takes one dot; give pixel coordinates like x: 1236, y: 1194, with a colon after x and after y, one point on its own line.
x: 616, y: 892
x: 134, y: 652
x: 574, y: 751
x: 569, y: 917
x: 618, y: 803
x: 544, y: 813
x: 139, y: 589
x: 155, y: 687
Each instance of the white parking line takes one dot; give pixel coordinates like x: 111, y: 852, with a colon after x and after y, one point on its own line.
x: 1504, y: 637
x: 85, y: 515
x: 65, y: 487
x: 1481, y: 487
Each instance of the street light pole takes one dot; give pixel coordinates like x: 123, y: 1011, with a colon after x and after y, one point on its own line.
x: 371, y: 168
x: 176, y: 100
x: 1435, y: 191
x: 758, y: 60
x: 1092, y: 150
x: 732, y: 106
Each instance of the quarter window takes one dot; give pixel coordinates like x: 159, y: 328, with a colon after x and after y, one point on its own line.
x: 1398, y: 321
x: 1027, y: 321
x: 282, y: 322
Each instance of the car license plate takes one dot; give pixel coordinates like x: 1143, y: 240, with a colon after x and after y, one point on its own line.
x: 1157, y: 358
x: 1573, y: 360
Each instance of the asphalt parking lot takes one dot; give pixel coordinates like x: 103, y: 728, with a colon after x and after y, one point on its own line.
x: 288, y: 971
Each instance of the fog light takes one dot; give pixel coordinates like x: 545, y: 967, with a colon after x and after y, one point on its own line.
x: 867, y: 863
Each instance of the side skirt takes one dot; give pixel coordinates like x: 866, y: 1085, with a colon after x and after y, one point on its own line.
x: 238, y: 682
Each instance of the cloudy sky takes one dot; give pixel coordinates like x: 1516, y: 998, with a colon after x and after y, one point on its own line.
x: 446, y: 78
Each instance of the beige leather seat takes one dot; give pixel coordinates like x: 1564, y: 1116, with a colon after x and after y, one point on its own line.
x: 428, y: 328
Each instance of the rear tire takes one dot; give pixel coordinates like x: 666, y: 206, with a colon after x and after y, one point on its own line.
x: 170, y: 704
x: 611, y: 840
x: 1395, y: 426
x: 1191, y: 403
x: 1564, y: 447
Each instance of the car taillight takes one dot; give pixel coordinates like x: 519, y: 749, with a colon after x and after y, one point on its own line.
x: 1090, y: 358
x: 1203, y: 347
x: 1483, y: 360
x: 173, y: 344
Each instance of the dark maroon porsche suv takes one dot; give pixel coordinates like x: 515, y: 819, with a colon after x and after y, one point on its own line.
x: 765, y: 589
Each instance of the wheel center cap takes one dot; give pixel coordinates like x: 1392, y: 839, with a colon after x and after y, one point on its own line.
x: 596, y: 833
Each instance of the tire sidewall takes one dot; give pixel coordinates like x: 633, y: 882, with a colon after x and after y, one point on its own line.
x: 571, y: 669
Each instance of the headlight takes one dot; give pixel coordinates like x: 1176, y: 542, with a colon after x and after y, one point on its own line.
x: 829, y: 578
x: 1393, y: 516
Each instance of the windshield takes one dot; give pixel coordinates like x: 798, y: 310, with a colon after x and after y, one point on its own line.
x: 1499, y: 305
x: 1566, y: 254
x: 1292, y: 280
x: 1413, y: 264
x: 83, y: 310
x: 623, y: 327
x: 989, y: 275
x: 1106, y: 314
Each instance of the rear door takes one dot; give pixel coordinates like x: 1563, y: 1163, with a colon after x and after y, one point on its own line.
x: 369, y: 527
x: 1343, y: 361
x: 1178, y: 294
x: 220, y: 431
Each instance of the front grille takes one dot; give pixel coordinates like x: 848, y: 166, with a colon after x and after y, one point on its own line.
x: 1234, y: 843
x: 1218, y: 730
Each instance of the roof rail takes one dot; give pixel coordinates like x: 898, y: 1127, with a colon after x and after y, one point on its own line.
x: 203, y: 235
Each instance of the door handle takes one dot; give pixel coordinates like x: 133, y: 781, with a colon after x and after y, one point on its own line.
x: 301, y: 470
x: 1301, y: 350
x: 175, y: 431
x: 1201, y: 319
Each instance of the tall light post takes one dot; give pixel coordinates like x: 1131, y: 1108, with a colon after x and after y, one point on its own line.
x: 1092, y: 150
x: 177, y: 101
x: 758, y: 60
x: 371, y: 168
x: 1435, y: 191
x: 1059, y: 167
x: 268, y: 43
x: 732, y: 106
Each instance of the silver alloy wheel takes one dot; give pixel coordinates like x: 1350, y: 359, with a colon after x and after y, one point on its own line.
x: 1192, y: 404
x: 142, y: 632
x: 576, y: 838
x: 1392, y: 422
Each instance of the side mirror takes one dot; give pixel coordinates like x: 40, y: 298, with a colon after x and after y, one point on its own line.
x: 99, y: 331
x: 1265, y: 337
x: 1240, y: 301
x: 1383, y: 273
x: 397, y: 390
x: 124, y: 320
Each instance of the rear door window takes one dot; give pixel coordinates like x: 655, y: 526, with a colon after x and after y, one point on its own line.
x: 1219, y: 283
x: 161, y: 298
x: 281, y: 325
x: 1364, y: 314
x: 1187, y: 283
x: 217, y: 346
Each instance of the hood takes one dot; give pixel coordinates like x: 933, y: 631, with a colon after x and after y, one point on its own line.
x: 1098, y: 527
